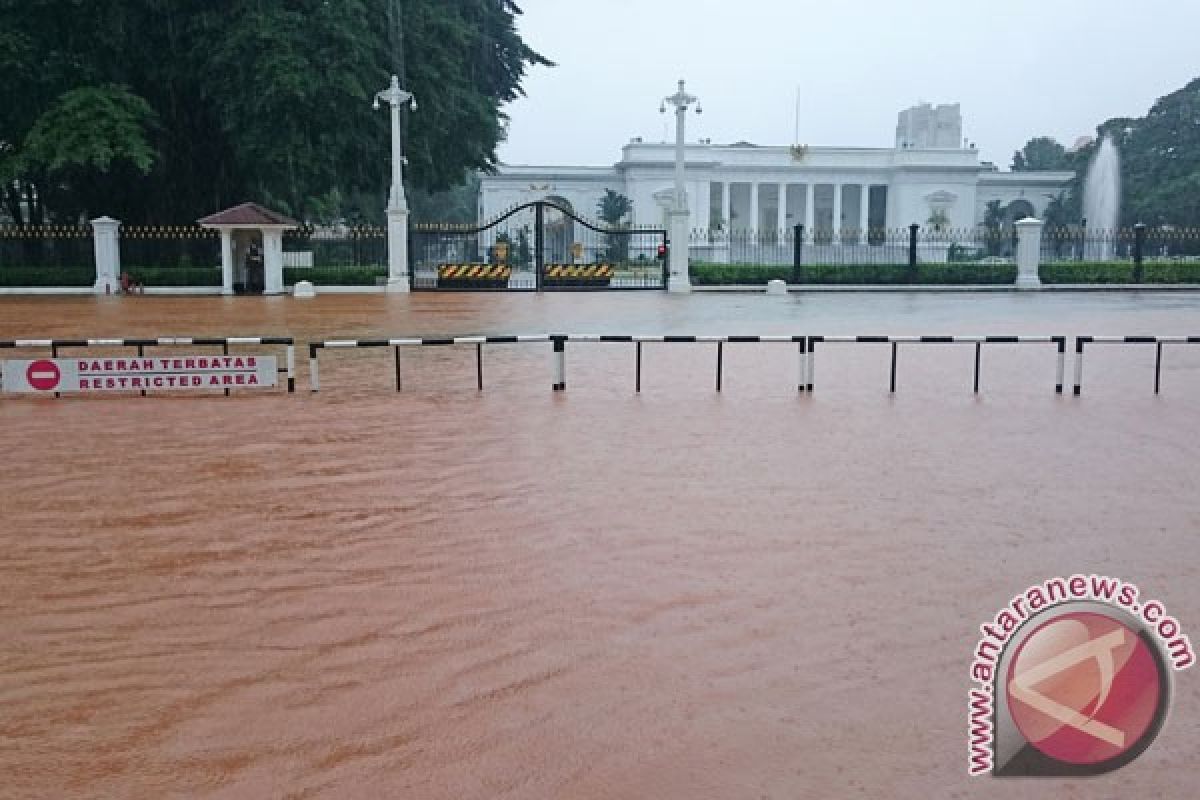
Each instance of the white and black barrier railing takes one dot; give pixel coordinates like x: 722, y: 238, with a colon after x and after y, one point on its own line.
x: 1060, y: 343
x: 805, y: 345
x: 66, y: 370
x: 1157, y: 341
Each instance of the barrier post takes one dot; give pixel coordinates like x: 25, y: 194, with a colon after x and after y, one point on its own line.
x: 978, y: 349
x: 1157, y: 364
x: 637, y: 384
x: 720, y: 354
x: 291, y: 368
x: 1079, y: 343
x: 397, y: 349
x: 802, y: 349
x: 560, y: 362
x: 479, y: 364
x: 895, y: 347
x: 314, y: 381
x: 1062, y: 363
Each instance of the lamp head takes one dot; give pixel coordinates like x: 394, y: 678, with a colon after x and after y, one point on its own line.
x: 699, y: 110
x: 662, y: 108
x: 375, y: 105
x: 412, y: 104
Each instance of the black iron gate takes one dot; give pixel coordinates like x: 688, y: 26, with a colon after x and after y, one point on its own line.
x: 537, y: 247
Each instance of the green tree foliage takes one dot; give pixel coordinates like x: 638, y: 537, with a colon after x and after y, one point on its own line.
x: 1041, y: 153
x: 193, y: 105
x: 613, y: 207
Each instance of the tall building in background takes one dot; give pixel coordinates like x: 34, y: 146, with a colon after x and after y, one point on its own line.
x: 928, y: 127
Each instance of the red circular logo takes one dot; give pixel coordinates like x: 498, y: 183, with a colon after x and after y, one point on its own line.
x: 43, y: 375
x: 1084, y: 688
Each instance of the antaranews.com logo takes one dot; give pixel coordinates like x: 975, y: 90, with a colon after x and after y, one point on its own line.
x: 1073, y: 678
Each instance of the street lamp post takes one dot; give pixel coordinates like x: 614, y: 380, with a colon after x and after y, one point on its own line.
x: 679, y: 215
x: 397, y: 207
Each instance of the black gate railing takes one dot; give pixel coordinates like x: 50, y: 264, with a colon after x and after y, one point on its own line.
x: 537, y: 247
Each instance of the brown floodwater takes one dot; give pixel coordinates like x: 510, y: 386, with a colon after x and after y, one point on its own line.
x: 517, y: 593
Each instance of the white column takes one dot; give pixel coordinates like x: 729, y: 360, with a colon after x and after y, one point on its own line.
x: 810, y: 208
x: 107, y: 249
x: 1029, y: 253
x: 837, y: 213
x: 226, y: 261
x: 726, y: 208
x: 782, y: 224
x: 397, y: 219
x: 864, y: 213
x: 754, y: 207
x: 272, y: 261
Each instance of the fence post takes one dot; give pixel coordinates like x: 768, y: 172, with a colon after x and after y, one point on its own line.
x: 912, y: 248
x: 797, y: 251
x: 1139, y: 250
x: 539, y: 253
x: 108, y: 255
x: 1029, y: 252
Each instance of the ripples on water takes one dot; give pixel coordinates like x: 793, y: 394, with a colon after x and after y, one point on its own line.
x: 447, y: 594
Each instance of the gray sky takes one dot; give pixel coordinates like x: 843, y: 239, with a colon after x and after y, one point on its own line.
x: 1019, y: 68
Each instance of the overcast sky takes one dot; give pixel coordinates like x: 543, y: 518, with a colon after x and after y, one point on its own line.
x: 1019, y: 68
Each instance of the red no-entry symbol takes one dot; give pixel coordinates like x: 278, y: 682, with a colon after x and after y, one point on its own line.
x: 43, y: 375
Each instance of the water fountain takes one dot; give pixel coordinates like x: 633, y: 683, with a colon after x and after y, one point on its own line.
x: 1102, y: 202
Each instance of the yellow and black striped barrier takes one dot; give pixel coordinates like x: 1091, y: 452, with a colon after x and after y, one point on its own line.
x: 473, y: 276
x: 578, y: 274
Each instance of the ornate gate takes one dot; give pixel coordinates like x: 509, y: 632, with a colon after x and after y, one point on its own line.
x: 538, y: 246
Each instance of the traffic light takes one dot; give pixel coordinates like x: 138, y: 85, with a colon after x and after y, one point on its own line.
x: 662, y: 252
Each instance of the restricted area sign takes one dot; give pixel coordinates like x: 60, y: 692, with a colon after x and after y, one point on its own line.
x: 141, y: 373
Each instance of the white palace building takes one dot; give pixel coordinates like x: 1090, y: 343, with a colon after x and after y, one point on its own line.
x: 931, y: 176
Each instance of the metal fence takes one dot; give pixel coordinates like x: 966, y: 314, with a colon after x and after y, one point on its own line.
x: 49, y: 255
x: 171, y: 255
x: 850, y: 247
x: 336, y: 256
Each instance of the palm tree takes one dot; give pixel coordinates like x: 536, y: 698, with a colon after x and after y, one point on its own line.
x: 613, y: 207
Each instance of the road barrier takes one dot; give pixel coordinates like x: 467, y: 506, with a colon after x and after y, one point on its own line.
x: 1157, y: 341
x: 142, y: 373
x: 806, y: 351
x: 978, y: 341
x: 557, y: 340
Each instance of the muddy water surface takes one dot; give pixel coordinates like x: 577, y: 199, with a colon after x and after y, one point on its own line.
x: 597, y: 594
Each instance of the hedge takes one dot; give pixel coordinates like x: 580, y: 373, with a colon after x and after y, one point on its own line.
x: 334, y: 276
x: 175, y: 276
x: 48, y: 276
x: 1098, y: 272
x: 704, y: 274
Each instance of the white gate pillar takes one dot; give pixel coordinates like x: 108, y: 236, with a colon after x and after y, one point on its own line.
x: 1029, y: 253
x: 272, y: 261
x: 397, y: 222
x: 677, y: 264
x: 108, y: 255
x: 226, y: 261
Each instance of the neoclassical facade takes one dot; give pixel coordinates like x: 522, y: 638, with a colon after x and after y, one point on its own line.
x: 747, y: 187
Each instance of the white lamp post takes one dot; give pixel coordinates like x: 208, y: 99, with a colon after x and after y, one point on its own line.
x: 397, y: 207
x: 679, y: 215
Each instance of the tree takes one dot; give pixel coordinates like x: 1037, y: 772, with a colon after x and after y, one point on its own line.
x: 613, y: 207
x: 267, y: 100
x: 1040, y: 153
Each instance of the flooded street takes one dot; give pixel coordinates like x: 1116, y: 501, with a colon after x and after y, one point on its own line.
x: 443, y: 593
